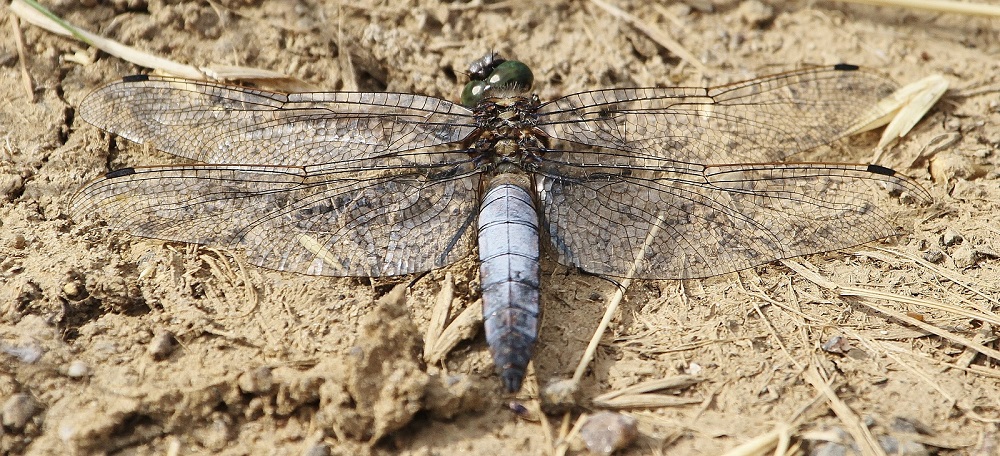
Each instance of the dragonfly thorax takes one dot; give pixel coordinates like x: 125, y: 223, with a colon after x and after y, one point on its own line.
x: 507, y: 135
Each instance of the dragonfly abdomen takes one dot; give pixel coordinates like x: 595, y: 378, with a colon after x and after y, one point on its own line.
x: 508, y: 253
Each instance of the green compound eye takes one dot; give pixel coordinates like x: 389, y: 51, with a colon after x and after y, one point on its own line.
x: 473, y: 93
x: 511, y: 74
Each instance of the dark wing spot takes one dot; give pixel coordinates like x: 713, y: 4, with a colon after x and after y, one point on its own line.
x: 881, y: 170
x: 845, y: 67
x: 120, y: 173
x: 135, y: 78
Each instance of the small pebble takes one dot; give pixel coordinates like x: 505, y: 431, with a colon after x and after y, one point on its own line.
x: 18, y: 410
x: 909, y: 426
x: 216, y: 435
x: 607, y: 432
x: 18, y: 242
x: 965, y: 256
x: 11, y: 186
x: 256, y: 381
x: 837, y: 344
x: 318, y: 449
x: 162, y: 344
x: 77, y: 369
x: 933, y: 256
x: 951, y: 237
x: 755, y: 13
x: 560, y: 396
x: 947, y: 167
x: 73, y: 290
x: 902, y: 446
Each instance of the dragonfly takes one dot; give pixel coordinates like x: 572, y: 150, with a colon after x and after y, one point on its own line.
x: 659, y: 183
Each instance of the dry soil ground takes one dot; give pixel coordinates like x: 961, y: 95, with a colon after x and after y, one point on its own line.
x: 271, y: 363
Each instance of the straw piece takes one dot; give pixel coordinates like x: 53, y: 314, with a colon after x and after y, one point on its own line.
x: 35, y: 14
x: 940, y: 6
x: 862, y: 435
x: 653, y: 33
x: 631, y: 401
x: 439, y: 314
x: 675, y: 382
x: 465, y: 326
x: 777, y: 440
x: 29, y: 84
x: 913, y: 100
x: 899, y: 316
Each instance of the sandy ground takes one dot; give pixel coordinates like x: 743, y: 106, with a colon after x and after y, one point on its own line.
x: 122, y: 345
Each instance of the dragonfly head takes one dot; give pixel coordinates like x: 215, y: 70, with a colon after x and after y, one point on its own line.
x: 510, y: 76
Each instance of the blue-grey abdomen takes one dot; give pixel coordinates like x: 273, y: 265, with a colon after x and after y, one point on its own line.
x: 508, y: 253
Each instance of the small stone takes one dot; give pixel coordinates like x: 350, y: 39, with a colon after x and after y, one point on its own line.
x: 902, y: 446
x: 11, y: 187
x: 933, y: 256
x: 837, y: 344
x: 77, y: 369
x: 965, y: 256
x: 948, y: 167
x: 560, y: 396
x: 18, y: 410
x: 951, y: 237
x: 17, y: 242
x: 162, y: 344
x: 318, y: 449
x: 909, y: 426
x: 216, y: 434
x: 256, y: 381
x: 607, y: 432
x: 74, y: 290
x: 755, y: 13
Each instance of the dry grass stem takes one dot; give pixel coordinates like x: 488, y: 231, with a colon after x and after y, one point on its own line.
x: 844, y: 290
x: 465, y: 326
x: 654, y: 34
x: 940, y: 6
x: 862, y: 435
x: 647, y: 400
x: 907, y: 106
x: 776, y: 442
x: 638, y: 396
x: 26, y: 80
x: 48, y: 21
x: 439, y: 314
x: 616, y: 299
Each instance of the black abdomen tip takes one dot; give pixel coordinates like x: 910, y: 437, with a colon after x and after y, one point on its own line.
x: 512, y: 379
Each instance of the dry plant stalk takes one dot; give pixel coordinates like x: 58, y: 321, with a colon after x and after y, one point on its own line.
x: 37, y: 15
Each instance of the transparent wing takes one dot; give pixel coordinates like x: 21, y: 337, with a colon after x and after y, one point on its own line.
x: 214, y: 123
x: 762, y: 120
x: 362, y: 219
x: 681, y: 221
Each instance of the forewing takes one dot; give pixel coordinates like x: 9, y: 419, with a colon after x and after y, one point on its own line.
x: 354, y: 221
x: 690, y: 221
x: 761, y: 120
x: 215, y: 123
